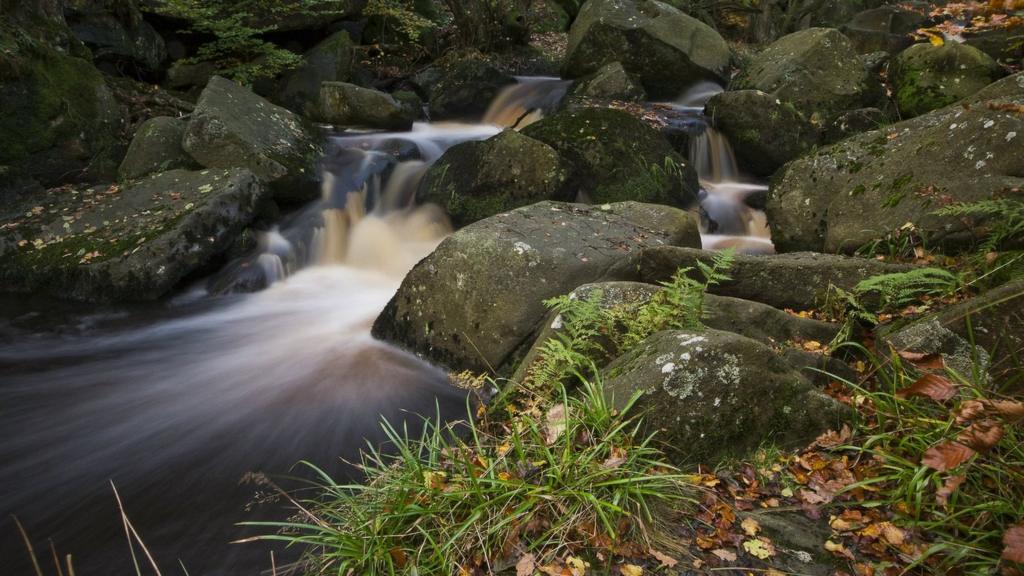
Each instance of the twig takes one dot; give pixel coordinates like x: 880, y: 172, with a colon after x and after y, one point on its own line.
x: 28, y: 544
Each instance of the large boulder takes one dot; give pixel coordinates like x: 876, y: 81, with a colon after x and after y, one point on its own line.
x: 886, y: 28
x: 667, y: 49
x: 616, y: 157
x: 795, y: 281
x: 477, y: 299
x: 156, y: 148
x: 465, y: 88
x: 118, y: 37
x: 715, y: 394
x: 136, y: 243
x: 350, y: 105
x: 611, y: 82
x: 474, y: 180
x: 60, y: 121
x: 926, y: 77
x: 764, y: 131
x: 332, y: 60
x: 233, y: 127
x: 861, y: 189
x: 817, y: 70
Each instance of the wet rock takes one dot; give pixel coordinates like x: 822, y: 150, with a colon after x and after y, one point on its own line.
x: 717, y: 394
x: 116, y: 37
x: 616, y: 157
x: 466, y: 88
x: 817, y: 70
x: 1001, y: 42
x: 886, y: 28
x: 478, y: 298
x: 929, y: 336
x: 232, y: 127
x: 136, y: 243
x: 475, y: 180
x: 854, y: 122
x: 764, y: 131
x: 795, y: 281
x: 861, y: 189
x: 332, y: 60
x: 156, y: 148
x: 611, y: 82
x: 927, y: 77
x: 346, y: 104
x: 667, y: 49
x: 798, y: 540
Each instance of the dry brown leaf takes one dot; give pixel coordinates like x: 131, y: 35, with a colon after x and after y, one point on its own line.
x: 554, y: 423
x: 931, y: 386
x: 723, y: 554
x: 750, y: 526
x: 923, y: 360
x: 969, y: 410
x: 893, y: 534
x: 831, y: 439
x: 838, y: 549
x: 982, y: 436
x: 525, y: 565
x: 1011, y: 411
x: 616, y: 459
x: 399, y: 557
x: 948, y: 488
x: 946, y: 456
x: 1013, y: 539
x: 665, y: 560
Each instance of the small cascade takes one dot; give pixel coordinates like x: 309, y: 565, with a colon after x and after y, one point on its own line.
x: 527, y: 101
x: 712, y: 157
x: 696, y: 97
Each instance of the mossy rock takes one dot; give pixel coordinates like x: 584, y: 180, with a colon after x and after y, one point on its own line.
x: 475, y: 180
x: 616, y: 157
x: 886, y: 28
x: 465, y: 88
x: 611, y: 82
x: 817, y: 70
x: 713, y: 395
x: 346, y: 104
x: 156, y: 148
x: 862, y: 189
x: 927, y: 77
x: 479, y: 297
x: 332, y: 60
x: 668, y: 50
x: 110, y: 244
x: 233, y: 127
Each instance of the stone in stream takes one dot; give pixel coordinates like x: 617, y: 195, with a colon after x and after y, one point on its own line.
x: 714, y: 395
x: 861, y: 189
x: 332, y: 60
x: 616, y: 157
x: 136, y: 243
x: 465, y: 87
x: 816, y: 70
x: 611, y: 82
x: 232, y: 127
x: 477, y: 299
x: 668, y: 50
x: 927, y: 77
x: 795, y: 281
x: 478, y: 179
x: 764, y: 131
x: 346, y: 104
x: 156, y: 147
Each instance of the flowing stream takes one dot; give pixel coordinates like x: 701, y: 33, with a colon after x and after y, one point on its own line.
x: 264, y: 364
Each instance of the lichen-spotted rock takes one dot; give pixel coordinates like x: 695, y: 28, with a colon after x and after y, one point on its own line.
x: 927, y: 77
x: 114, y: 244
x: 714, y: 394
x: 863, y: 188
x: 476, y: 300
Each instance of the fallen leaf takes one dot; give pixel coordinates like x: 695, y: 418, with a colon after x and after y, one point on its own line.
x: 838, y: 549
x: 759, y: 548
x: 724, y: 554
x: 554, y: 425
x: 631, y: 570
x: 893, y: 534
x: 1011, y: 411
x: 946, y: 456
x: 931, y: 386
x: 525, y: 565
x: 577, y: 566
x: 982, y: 436
x: 399, y: 557
x: 750, y: 526
x: 1013, y: 539
x: 617, y: 458
x: 435, y: 480
x: 831, y: 439
x: 948, y: 488
x: 665, y: 560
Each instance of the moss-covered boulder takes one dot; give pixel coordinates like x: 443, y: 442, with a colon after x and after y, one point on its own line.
x: 346, y: 104
x: 863, y: 188
x: 477, y: 299
x: 616, y: 157
x: 117, y: 35
x: 465, y: 87
x: 59, y: 119
x: 764, y: 131
x: 474, y: 180
x: 135, y: 243
x: 332, y: 60
x: 233, y: 127
x: 795, y: 281
x: 668, y: 50
x: 156, y: 148
x: 611, y: 82
x: 817, y: 70
x: 926, y: 77
x: 717, y: 394
x: 886, y: 28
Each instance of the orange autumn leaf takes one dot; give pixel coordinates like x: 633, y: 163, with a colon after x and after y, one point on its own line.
x: 1013, y: 539
x: 931, y: 386
x: 946, y: 456
x: 948, y: 488
x: 982, y: 436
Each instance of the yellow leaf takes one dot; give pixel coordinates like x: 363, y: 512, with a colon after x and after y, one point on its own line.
x: 435, y: 480
x: 750, y: 526
x: 631, y: 570
x: 759, y: 548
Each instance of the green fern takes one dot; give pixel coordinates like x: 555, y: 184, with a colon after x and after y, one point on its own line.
x: 901, y: 289
x: 1003, y: 218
